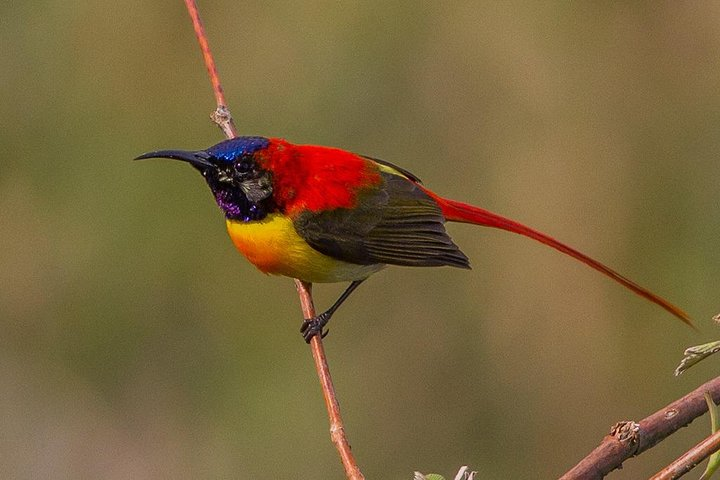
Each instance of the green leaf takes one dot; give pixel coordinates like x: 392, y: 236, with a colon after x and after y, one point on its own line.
x: 694, y: 354
x: 714, y: 461
x: 463, y: 474
x: 429, y: 476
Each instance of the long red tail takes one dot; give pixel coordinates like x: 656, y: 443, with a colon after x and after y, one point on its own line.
x: 461, y: 212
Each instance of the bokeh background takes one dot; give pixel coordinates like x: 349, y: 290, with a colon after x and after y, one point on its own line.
x: 136, y: 343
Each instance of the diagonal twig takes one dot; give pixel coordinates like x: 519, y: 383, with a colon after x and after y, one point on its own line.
x: 221, y: 116
x: 690, y: 459
x: 337, y: 428
x: 628, y: 439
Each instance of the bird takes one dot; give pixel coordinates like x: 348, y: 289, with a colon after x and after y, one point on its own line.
x: 325, y: 215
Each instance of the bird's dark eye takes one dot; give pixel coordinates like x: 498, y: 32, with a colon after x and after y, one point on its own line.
x: 244, y: 165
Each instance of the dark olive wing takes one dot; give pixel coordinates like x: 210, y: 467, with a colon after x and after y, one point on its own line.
x: 408, y: 174
x: 396, y: 223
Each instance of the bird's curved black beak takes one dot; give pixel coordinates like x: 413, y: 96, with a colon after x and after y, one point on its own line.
x: 199, y: 159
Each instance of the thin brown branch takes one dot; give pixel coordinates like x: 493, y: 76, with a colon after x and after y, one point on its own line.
x: 690, y: 459
x: 337, y: 428
x: 222, y: 117
x: 628, y: 439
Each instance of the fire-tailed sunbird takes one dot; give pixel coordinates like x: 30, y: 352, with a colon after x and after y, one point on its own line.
x: 322, y: 214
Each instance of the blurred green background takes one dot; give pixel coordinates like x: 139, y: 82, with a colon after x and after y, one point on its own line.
x: 136, y: 343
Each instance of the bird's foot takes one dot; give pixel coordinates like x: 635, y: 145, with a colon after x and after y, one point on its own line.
x: 314, y: 326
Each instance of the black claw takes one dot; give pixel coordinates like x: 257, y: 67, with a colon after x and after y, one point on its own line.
x: 314, y: 326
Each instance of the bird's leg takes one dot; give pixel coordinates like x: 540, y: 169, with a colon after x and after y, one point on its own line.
x: 313, y: 326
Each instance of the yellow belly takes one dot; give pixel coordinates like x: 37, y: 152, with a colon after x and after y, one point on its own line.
x: 273, y: 246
